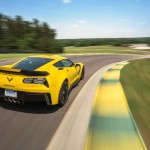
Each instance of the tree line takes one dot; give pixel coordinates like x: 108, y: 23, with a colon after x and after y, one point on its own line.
x: 19, y: 35
x: 105, y: 41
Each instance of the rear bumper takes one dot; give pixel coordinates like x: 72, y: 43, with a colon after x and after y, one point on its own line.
x: 23, y: 97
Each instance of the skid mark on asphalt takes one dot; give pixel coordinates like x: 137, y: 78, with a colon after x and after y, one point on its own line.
x: 111, y: 126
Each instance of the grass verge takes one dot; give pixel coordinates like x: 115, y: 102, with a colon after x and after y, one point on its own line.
x: 135, y: 79
x: 16, y: 55
x: 88, y: 49
x: 103, y: 49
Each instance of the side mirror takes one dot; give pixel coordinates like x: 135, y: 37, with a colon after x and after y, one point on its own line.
x: 77, y: 65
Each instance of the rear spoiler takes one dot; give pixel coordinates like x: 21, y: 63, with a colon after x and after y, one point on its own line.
x: 23, y: 72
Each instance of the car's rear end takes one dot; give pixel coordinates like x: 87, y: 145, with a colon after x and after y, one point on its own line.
x: 19, y: 86
x: 23, y: 82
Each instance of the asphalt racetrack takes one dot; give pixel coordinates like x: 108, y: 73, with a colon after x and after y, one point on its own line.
x: 32, y: 126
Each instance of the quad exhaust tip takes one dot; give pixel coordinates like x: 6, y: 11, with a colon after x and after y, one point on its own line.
x: 9, y: 99
x: 5, y: 99
x: 14, y: 100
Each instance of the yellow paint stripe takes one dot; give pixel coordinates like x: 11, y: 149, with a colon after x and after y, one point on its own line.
x: 112, y: 75
x: 109, y: 101
x: 119, y: 66
x: 116, y: 73
x: 109, y: 142
x: 124, y: 63
x: 111, y: 126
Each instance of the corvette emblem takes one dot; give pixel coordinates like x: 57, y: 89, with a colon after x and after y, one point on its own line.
x: 9, y: 79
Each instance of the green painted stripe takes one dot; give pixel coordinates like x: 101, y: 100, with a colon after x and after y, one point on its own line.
x: 108, y: 81
x: 111, y: 124
x: 113, y: 70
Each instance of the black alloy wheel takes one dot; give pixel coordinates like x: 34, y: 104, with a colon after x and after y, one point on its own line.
x: 63, y: 95
x: 82, y: 74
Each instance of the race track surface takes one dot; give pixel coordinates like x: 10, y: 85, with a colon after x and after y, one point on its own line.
x: 32, y: 126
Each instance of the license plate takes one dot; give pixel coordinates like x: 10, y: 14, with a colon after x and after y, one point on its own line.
x: 10, y: 93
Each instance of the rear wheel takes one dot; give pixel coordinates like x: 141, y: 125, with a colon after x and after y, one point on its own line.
x: 83, y: 73
x: 63, y: 95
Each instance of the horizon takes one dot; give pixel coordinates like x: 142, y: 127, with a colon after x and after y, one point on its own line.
x: 107, y: 38
x: 76, y: 19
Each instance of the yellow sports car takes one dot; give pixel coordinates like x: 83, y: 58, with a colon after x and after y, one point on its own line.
x: 46, y: 78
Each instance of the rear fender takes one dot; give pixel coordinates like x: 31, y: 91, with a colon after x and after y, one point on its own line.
x: 55, y: 86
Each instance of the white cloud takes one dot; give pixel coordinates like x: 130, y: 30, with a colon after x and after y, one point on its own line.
x: 79, y: 24
x: 68, y: 30
x: 142, y: 23
x: 75, y: 26
x: 66, y: 1
x: 81, y: 21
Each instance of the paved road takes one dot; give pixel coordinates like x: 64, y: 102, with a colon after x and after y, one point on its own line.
x: 32, y: 126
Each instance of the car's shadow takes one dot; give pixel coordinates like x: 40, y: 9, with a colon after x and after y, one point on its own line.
x: 37, y: 108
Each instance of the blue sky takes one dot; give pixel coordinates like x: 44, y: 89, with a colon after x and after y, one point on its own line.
x: 86, y: 18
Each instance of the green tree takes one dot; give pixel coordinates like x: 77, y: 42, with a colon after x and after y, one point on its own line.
x: 19, y: 34
x: 25, y: 43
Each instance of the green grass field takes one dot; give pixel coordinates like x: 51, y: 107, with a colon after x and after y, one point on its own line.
x: 135, y: 79
x: 10, y: 56
x: 89, y: 49
x: 103, y: 49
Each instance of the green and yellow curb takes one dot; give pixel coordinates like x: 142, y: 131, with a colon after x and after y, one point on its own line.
x: 112, y: 126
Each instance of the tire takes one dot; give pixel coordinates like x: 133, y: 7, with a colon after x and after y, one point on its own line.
x: 63, y: 95
x: 83, y: 73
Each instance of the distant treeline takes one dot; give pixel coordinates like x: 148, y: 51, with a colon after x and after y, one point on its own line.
x: 19, y: 35
x: 105, y: 41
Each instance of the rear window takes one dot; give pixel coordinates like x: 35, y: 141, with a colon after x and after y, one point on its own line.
x: 32, y: 63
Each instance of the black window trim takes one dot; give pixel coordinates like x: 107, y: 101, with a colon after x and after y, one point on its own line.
x: 64, y: 66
